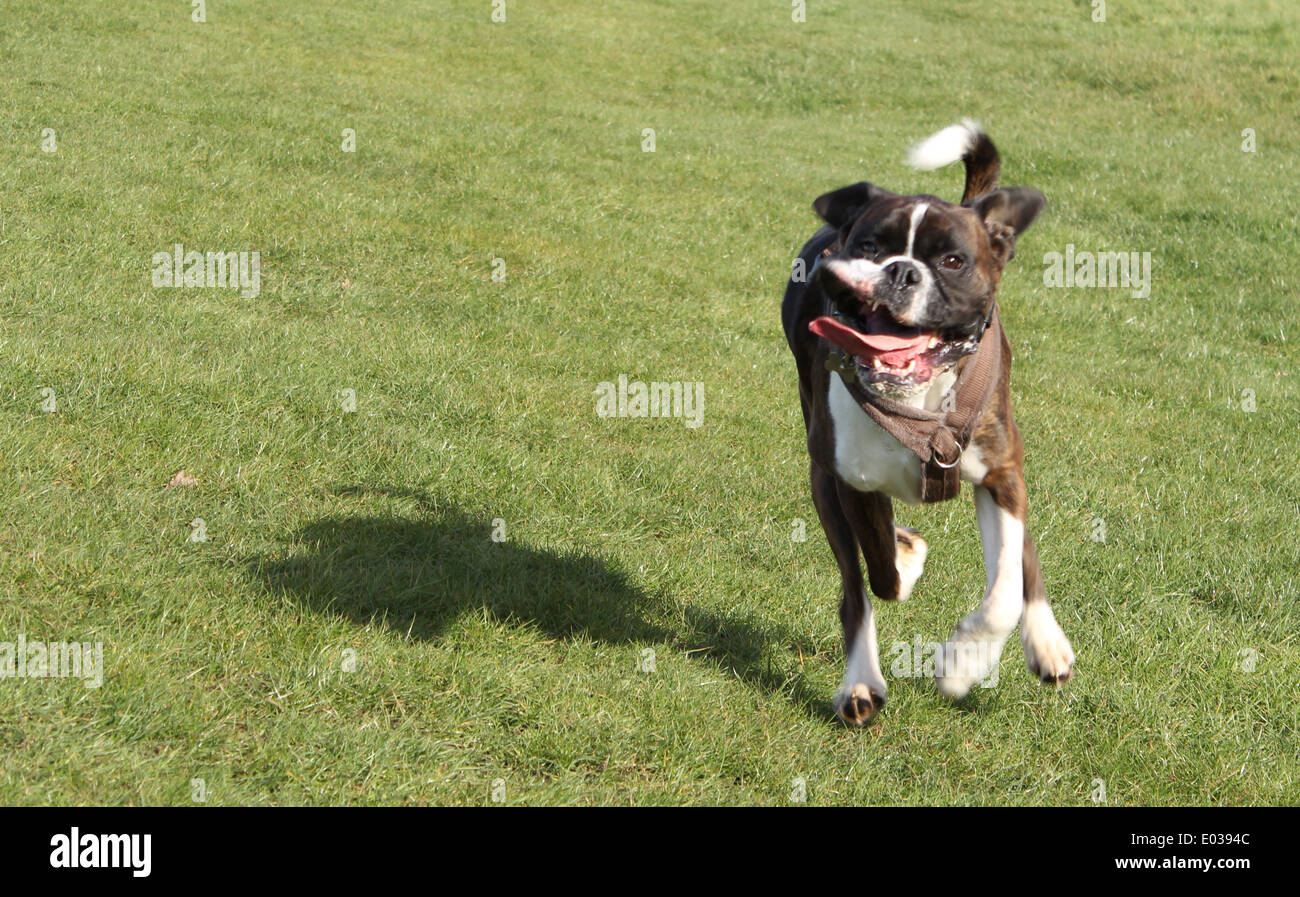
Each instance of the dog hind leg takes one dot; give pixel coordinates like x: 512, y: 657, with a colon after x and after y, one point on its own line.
x: 909, y: 558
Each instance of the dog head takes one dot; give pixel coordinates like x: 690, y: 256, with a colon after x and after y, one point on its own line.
x: 913, y: 278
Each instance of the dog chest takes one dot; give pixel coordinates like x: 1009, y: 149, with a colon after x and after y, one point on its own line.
x: 866, y: 457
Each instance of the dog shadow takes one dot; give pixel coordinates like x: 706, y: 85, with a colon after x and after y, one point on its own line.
x: 417, y: 575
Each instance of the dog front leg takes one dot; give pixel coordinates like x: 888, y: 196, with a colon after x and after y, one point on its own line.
x: 1048, y: 653
x: 975, y: 648
x: 863, y: 690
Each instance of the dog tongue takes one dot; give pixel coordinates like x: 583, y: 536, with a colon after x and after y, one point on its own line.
x: 891, y: 349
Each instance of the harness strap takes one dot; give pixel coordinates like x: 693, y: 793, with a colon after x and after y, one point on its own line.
x: 938, y: 438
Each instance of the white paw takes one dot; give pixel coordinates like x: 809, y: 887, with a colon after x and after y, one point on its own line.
x: 1047, y: 651
x: 909, y: 559
x: 972, y: 655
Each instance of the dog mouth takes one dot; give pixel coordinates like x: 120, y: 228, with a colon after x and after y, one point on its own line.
x: 887, y: 352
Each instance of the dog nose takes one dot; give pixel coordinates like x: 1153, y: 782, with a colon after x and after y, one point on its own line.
x: 902, y: 274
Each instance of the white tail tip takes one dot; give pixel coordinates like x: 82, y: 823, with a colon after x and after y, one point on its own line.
x: 945, y: 147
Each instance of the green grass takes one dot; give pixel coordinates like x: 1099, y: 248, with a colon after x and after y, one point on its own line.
x: 368, y: 532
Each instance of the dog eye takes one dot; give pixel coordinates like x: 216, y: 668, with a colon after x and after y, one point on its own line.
x: 869, y: 247
x: 952, y: 262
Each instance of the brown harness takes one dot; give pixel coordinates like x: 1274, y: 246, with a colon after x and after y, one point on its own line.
x: 938, y: 438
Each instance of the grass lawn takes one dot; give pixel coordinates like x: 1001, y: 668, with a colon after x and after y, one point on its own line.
x: 427, y: 571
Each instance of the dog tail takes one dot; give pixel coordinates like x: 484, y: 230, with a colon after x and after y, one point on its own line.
x: 968, y: 142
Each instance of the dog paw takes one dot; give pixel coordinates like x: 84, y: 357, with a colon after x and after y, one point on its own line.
x: 1047, y: 651
x: 858, y: 704
x: 971, y: 656
x: 909, y: 558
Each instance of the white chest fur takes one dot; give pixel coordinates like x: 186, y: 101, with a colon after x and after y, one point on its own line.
x: 866, y: 457
x: 870, y: 460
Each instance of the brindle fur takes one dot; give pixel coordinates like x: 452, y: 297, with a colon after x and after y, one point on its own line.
x: 864, y: 521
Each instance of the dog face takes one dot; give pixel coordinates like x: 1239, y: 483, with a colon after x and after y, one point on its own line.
x: 915, y: 278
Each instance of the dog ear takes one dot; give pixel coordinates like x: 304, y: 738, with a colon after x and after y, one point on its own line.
x: 840, y: 207
x: 1006, y: 214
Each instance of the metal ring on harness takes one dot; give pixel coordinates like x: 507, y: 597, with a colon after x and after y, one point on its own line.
x: 955, y: 461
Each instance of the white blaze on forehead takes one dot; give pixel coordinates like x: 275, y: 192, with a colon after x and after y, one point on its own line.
x: 918, y: 212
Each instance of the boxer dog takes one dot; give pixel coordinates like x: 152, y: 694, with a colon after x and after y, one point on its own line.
x: 903, y: 379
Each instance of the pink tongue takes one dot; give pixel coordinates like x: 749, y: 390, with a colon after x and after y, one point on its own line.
x: 892, y: 350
